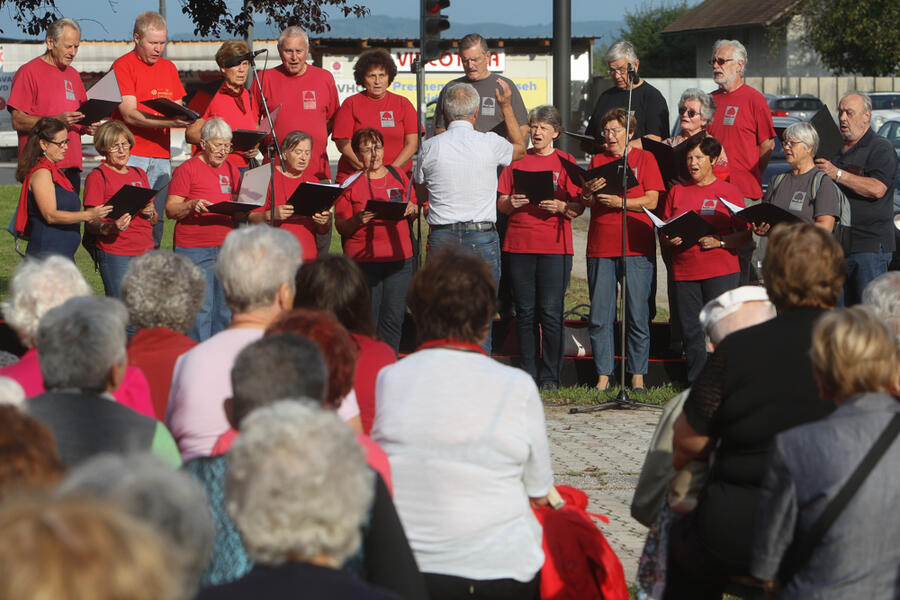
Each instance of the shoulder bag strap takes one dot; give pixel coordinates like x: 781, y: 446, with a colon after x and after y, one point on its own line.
x: 807, y: 543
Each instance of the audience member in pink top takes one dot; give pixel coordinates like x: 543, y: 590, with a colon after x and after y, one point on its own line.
x: 37, y: 285
x: 336, y: 284
x: 256, y: 267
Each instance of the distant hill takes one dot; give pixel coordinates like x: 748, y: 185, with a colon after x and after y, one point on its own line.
x: 384, y: 27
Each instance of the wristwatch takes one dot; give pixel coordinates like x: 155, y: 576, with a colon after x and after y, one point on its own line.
x: 721, y: 243
x: 837, y: 176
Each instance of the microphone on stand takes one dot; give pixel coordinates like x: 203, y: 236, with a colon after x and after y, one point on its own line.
x: 236, y: 60
x: 632, y: 74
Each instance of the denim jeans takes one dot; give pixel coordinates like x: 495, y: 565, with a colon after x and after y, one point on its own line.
x: 692, y: 297
x: 112, y: 269
x: 388, y: 284
x: 159, y: 173
x: 603, y: 274
x: 485, y: 244
x: 214, y: 315
x: 539, y: 283
x: 862, y: 267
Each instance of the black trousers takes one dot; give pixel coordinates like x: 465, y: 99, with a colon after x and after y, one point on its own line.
x: 449, y: 587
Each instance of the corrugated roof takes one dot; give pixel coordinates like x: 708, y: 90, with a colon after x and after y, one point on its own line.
x: 722, y: 14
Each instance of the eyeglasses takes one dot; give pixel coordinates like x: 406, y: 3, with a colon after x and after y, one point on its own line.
x: 61, y: 144
x: 612, y: 132
x: 690, y: 112
x: 719, y: 61
x: 220, y: 146
x: 619, y: 71
x: 370, y: 149
x: 790, y: 143
x: 123, y: 147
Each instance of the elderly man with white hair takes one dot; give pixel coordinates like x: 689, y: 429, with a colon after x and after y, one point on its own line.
x: 38, y: 285
x: 650, y: 109
x: 882, y: 295
x: 83, y: 360
x: 457, y: 173
x: 197, y: 184
x: 256, y: 267
x: 865, y: 170
x: 743, y: 123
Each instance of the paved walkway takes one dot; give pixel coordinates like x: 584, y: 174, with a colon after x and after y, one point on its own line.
x: 602, y: 453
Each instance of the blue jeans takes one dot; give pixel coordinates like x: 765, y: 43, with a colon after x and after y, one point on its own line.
x: 159, y: 173
x: 862, y: 267
x: 112, y: 269
x: 485, y: 244
x: 214, y: 315
x: 603, y: 274
x: 388, y: 284
x: 539, y: 283
x: 692, y: 297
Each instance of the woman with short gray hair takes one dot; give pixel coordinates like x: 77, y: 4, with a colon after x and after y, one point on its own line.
x: 37, y: 286
x: 803, y: 191
x: 298, y: 491
x: 696, y: 109
x: 197, y: 185
x: 538, y: 248
x: 163, y: 292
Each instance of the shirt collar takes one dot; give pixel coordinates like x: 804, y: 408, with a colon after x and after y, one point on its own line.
x: 460, y: 123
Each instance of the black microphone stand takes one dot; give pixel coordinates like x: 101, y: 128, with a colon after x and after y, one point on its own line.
x: 275, y: 141
x: 622, y: 400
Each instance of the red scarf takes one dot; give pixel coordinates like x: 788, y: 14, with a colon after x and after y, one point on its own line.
x: 452, y: 344
x: 23, y: 227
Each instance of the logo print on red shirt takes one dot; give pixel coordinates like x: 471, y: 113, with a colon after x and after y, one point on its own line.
x: 730, y: 115
x: 387, y: 118
x: 309, y: 99
x: 708, y: 207
x: 225, y: 184
x: 70, y: 90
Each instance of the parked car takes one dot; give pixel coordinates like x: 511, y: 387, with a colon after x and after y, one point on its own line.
x: 885, y: 107
x: 891, y: 131
x: 802, y: 107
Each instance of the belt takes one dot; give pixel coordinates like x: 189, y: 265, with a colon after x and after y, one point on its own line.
x: 467, y: 226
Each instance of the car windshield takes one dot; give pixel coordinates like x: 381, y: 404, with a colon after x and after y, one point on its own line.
x: 885, y: 101
x: 798, y: 104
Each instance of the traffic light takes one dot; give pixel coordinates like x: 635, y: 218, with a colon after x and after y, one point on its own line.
x: 433, y: 22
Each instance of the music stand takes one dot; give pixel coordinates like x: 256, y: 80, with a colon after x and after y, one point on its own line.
x: 275, y: 141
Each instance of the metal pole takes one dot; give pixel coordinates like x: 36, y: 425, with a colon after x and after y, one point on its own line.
x: 562, y: 65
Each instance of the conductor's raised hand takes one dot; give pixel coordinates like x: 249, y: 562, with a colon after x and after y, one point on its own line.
x: 503, y: 93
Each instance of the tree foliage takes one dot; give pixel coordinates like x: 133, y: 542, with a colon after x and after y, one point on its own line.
x: 669, y: 56
x: 210, y: 17
x: 853, y: 36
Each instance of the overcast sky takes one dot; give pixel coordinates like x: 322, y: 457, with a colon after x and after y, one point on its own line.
x: 102, y: 19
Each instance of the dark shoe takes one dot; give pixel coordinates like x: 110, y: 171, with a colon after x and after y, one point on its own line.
x: 639, y: 390
x: 549, y: 386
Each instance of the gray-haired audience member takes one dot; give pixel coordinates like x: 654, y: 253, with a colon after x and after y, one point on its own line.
x: 11, y: 392
x: 169, y: 501
x: 256, y: 267
x: 865, y: 170
x: 82, y: 350
x: 162, y: 292
x: 650, y: 109
x: 298, y: 491
x: 882, y: 295
x: 475, y: 57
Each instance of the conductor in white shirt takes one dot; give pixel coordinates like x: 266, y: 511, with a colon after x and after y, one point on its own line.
x: 457, y: 173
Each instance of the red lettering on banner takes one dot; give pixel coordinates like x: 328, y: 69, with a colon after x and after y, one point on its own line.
x: 495, y: 59
x: 403, y: 57
x: 446, y: 59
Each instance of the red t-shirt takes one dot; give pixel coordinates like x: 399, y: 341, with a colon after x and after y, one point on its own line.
x: 40, y: 89
x: 146, y: 82
x: 605, y: 232
x: 742, y: 122
x: 692, y: 264
x: 533, y: 230
x: 228, y: 107
x: 307, y: 102
x: 99, y: 186
x: 197, y: 179
x: 303, y: 228
x: 373, y: 355
x: 393, y: 115
x: 379, y: 240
